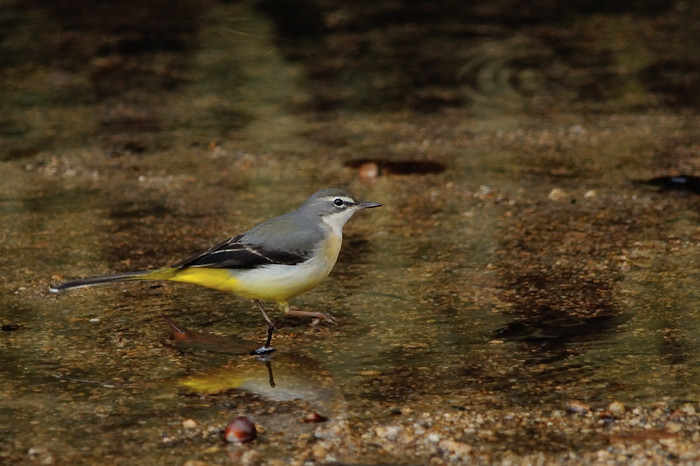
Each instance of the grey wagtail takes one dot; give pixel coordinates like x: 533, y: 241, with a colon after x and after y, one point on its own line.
x: 274, y: 261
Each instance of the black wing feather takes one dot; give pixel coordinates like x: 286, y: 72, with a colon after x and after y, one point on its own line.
x: 233, y: 254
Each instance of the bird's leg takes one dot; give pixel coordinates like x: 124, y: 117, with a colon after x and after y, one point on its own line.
x: 270, y: 329
x: 317, y: 315
x: 270, y: 325
x: 267, y: 346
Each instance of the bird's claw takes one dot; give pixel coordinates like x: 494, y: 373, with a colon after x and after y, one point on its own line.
x: 316, y: 315
x: 328, y: 318
x: 262, y: 350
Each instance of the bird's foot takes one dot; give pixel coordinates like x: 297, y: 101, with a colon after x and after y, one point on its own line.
x: 262, y: 350
x: 315, y: 315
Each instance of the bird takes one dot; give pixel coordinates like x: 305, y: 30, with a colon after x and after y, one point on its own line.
x: 274, y: 261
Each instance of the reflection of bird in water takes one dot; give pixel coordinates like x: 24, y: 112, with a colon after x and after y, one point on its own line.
x: 276, y: 377
x: 274, y: 261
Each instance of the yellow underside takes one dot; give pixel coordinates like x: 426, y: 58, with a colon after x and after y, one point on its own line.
x: 219, y: 279
x: 267, y: 283
x: 264, y: 286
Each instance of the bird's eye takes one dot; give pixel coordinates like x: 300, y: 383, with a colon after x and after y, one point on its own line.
x: 338, y: 202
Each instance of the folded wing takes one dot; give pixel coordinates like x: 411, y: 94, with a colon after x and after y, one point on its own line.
x: 234, y: 254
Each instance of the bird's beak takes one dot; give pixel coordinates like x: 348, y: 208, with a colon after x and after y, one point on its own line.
x: 368, y: 205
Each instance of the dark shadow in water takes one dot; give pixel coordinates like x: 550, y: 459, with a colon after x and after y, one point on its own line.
x: 186, y: 341
x: 688, y: 183
x: 396, y: 167
x: 64, y: 201
x: 10, y: 327
x: 415, y: 71
x: 555, y: 328
x: 676, y: 81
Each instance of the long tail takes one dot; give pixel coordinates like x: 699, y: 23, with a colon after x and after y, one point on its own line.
x: 159, y: 274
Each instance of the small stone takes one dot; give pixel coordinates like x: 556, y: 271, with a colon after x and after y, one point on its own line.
x: 368, y: 170
x: 189, y: 423
x: 557, y: 194
x: 577, y: 407
x: 616, y: 408
x: 676, y: 416
x: 673, y: 427
x: 40, y: 455
x: 240, y: 429
x: 315, y: 417
x: 458, y: 449
x: 688, y: 409
x: 388, y: 432
x: 332, y: 430
x: 319, y: 450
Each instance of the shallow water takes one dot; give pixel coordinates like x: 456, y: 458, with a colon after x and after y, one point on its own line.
x: 513, y: 264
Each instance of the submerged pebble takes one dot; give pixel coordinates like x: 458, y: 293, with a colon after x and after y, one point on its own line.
x: 557, y: 194
x: 240, y: 429
x: 577, y: 407
x: 189, y: 423
x: 616, y: 408
x: 315, y: 417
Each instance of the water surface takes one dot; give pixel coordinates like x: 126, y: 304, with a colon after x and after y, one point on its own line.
x: 513, y: 267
